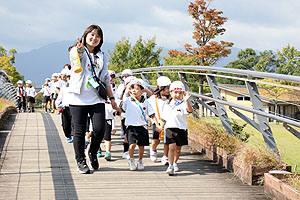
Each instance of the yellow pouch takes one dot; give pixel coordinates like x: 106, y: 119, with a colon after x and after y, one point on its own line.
x: 75, y: 61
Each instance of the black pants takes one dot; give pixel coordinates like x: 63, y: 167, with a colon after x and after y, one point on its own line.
x: 79, y: 119
x: 66, y: 122
x: 21, y: 103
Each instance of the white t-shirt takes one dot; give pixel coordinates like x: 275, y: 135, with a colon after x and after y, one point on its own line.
x: 160, y: 103
x: 134, y: 115
x: 64, y: 97
x: 30, y: 91
x: 88, y: 95
x: 21, y: 91
x: 175, y: 115
x: 52, y: 87
x: 119, y: 91
x: 109, y: 111
x: 46, y: 91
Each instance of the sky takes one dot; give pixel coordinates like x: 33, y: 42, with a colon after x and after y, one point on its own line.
x: 258, y: 24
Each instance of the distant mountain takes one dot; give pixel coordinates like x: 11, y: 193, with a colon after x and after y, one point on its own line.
x: 39, y: 64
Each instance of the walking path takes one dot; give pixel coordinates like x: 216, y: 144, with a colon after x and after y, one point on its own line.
x: 37, y: 163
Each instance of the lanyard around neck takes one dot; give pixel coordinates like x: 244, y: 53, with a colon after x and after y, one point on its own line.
x: 137, y: 102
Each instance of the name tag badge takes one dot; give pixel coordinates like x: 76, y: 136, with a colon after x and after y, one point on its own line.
x: 92, y: 82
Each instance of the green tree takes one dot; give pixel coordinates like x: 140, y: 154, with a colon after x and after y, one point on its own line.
x: 6, y: 65
x: 142, y: 54
x: 288, y: 61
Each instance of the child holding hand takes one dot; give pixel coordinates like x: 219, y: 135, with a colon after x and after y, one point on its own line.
x: 137, y: 108
x: 175, y: 123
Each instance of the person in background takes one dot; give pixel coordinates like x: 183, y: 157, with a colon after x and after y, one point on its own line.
x: 114, y: 88
x: 46, y: 95
x: 30, y: 91
x: 175, y: 123
x: 52, y: 90
x: 62, y: 103
x: 21, y: 94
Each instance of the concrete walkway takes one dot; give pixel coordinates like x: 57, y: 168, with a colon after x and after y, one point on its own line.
x: 37, y: 163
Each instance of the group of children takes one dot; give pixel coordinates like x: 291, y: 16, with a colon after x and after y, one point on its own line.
x: 165, y: 109
x: 25, y: 95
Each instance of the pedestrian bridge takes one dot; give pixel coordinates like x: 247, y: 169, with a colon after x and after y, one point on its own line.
x: 37, y: 163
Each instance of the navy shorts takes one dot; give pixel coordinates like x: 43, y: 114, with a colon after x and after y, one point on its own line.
x: 108, y: 127
x: 176, y: 135
x: 46, y: 99
x: 155, y: 133
x: 137, y: 135
x: 31, y: 99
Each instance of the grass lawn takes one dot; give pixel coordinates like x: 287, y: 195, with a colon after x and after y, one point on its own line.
x: 4, y: 102
x: 287, y: 143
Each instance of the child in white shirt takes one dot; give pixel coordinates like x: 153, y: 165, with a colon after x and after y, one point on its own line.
x: 137, y: 108
x: 21, y: 94
x: 30, y: 91
x: 174, y: 115
x: 160, y: 97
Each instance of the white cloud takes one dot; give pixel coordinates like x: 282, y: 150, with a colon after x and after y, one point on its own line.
x: 261, y: 37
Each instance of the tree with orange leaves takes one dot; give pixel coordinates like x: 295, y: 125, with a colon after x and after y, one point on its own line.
x: 208, y: 24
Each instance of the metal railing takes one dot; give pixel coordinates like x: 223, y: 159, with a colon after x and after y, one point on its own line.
x: 7, y: 89
x: 251, y: 78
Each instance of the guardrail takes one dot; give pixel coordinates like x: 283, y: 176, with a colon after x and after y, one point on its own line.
x: 251, y: 78
x: 7, y: 89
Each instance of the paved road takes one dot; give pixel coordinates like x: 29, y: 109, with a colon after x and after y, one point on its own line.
x: 37, y: 163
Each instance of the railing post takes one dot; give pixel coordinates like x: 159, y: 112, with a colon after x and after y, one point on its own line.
x: 220, y: 107
x: 265, y: 128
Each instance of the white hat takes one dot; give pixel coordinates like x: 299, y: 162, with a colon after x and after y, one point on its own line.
x: 138, y: 81
x: 64, y: 72
x: 29, y: 82
x: 127, y: 72
x: 54, y: 74
x: 20, y: 82
x: 47, y: 79
x: 129, y: 79
x: 163, y: 81
x: 177, y: 86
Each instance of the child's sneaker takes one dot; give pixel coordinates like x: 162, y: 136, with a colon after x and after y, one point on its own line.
x: 99, y: 153
x: 125, y: 155
x: 153, y: 155
x: 131, y: 163
x: 107, y: 156
x: 170, y: 170
x: 176, y: 168
x: 69, y: 140
x: 164, y: 160
x: 140, y: 165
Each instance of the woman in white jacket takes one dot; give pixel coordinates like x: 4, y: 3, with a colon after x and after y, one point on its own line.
x: 85, y: 99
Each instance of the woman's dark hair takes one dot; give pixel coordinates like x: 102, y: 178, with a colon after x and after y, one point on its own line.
x: 87, y: 31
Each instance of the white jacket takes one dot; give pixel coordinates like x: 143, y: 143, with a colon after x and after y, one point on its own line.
x: 77, y: 78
